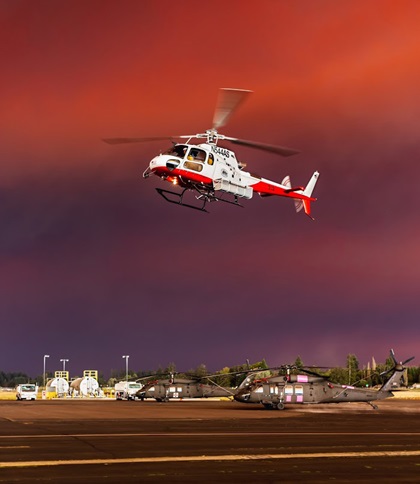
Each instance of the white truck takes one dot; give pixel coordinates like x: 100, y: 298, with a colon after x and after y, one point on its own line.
x: 127, y: 390
x: 26, y: 391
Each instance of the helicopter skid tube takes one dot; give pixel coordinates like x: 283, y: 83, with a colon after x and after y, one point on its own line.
x: 178, y: 199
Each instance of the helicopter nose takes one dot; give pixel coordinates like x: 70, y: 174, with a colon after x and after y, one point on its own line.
x: 156, y: 162
x: 163, y: 161
x: 241, y: 397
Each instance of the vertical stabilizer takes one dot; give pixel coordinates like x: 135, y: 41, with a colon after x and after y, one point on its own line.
x: 306, y: 202
x: 311, y: 185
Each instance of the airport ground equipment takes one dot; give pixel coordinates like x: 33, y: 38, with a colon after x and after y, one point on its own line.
x: 57, y: 387
x: 26, y: 391
x: 86, y: 386
x: 127, y: 390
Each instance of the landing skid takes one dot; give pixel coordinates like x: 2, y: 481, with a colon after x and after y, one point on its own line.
x: 375, y: 407
x: 178, y: 199
x: 204, y: 197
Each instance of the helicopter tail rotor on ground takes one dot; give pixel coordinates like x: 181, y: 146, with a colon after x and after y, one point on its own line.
x: 397, y: 372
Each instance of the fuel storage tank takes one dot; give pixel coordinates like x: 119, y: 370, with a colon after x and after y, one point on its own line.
x: 85, y: 387
x: 57, y: 387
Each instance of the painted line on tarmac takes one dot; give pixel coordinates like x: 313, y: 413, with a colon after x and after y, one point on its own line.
x: 15, y: 446
x: 210, y: 434
x: 207, y: 458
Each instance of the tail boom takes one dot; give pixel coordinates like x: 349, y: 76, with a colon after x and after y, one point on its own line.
x: 301, y: 196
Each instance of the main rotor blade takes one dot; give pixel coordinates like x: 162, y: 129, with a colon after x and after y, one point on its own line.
x: 227, y: 102
x: 392, y: 355
x: 279, y: 150
x: 310, y: 372
x: 117, y: 141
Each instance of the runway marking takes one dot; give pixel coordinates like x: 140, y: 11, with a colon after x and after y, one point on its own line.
x: 208, y: 434
x: 14, y: 446
x: 207, y: 458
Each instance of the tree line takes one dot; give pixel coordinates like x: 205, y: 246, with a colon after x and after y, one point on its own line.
x: 233, y: 376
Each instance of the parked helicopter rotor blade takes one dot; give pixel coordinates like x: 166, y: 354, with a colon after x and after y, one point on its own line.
x: 278, y: 150
x: 396, y: 363
x: 392, y: 355
x: 117, y: 141
x: 310, y: 372
x: 406, y: 361
x: 227, y: 102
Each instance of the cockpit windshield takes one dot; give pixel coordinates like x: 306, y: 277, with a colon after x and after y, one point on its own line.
x: 177, y: 150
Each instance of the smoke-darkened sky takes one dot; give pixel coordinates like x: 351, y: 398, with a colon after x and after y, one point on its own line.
x: 95, y: 265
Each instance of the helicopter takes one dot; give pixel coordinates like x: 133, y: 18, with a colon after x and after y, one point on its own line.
x: 277, y: 391
x: 213, y: 172
x: 164, y: 389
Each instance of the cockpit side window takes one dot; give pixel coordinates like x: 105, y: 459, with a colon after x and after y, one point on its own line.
x: 193, y: 165
x: 177, y: 150
x: 196, y: 154
x: 195, y: 159
x: 210, y: 161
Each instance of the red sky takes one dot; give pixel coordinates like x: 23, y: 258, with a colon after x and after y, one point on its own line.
x: 95, y: 265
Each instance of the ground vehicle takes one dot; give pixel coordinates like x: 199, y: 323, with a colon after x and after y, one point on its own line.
x: 26, y: 391
x: 212, y: 171
x: 126, y: 390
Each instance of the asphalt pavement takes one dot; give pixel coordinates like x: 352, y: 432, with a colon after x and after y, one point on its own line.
x: 103, y: 441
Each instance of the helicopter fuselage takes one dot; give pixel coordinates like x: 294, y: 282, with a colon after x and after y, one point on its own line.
x: 163, y: 390
x: 212, y: 168
x: 275, y: 392
x: 211, y: 171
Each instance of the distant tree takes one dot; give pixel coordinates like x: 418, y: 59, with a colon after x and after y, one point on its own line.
x: 200, y: 371
x: 116, y: 374
x: 170, y: 369
x: 132, y: 375
x: 413, y: 374
x: 224, y: 379
x: 339, y: 375
x: 353, y: 368
x: 145, y: 373
x: 259, y: 365
x: 11, y: 380
x: 101, y: 380
x: 298, y: 363
x: 111, y: 382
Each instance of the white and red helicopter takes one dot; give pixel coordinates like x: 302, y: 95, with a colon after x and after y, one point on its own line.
x: 212, y: 171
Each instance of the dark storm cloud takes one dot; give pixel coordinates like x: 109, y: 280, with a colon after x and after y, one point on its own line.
x: 95, y: 265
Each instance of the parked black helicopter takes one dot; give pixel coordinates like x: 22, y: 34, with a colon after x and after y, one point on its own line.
x: 164, y: 389
x: 311, y: 388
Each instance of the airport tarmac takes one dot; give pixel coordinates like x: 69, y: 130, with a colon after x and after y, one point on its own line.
x: 67, y: 441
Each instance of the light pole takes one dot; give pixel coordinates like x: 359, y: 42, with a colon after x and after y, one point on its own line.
x: 64, y: 363
x: 45, y: 356
x: 126, y: 368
